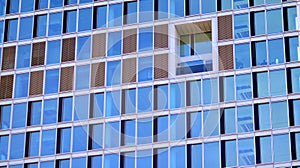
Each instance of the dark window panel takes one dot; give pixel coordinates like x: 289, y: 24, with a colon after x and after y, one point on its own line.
x: 161, y: 66
x: 99, y: 45
x: 98, y: 74
x: 161, y: 36
x: 225, y: 57
x: 8, y: 60
x: 36, y: 83
x: 66, y: 79
x: 68, y: 50
x: 6, y: 86
x: 129, y: 41
x: 38, y: 54
x: 225, y: 27
x: 129, y: 70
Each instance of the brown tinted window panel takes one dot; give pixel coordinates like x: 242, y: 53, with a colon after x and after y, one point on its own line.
x: 8, y: 61
x: 99, y: 45
x: 129, y: 41
x: 98, y: 74
x: 6, y: 86
x: 38, y: 54
x: 68, y: 50
x: 36, y: 83
x: 66, y: 79
x: 225, y: 27
x: 226, y: 57
x: 129, y: 70
x: 161, y: 36
x: 161, y: 66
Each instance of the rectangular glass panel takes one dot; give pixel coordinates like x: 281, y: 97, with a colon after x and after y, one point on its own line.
x: 97, y: 136
x: 203, y: 45
x: 210, y: 91
x: 162, y: 97
x: 42, y: 4
x: 208, y: 6
x: 292, y: 18
x: 279, y: 115
x: 262, y: 84
x: 245, y: 119
x: 52, y: 80
x: 177, y: 157
x: 12, y: 29
x: 35, y: 113
x: 281, y: 145
x: 292, y: 50
x: 230, y: 153
x: 144, y: 130
x: 131, y: 13
x: 23, y: 57
x: 144, y: 159
x: 96, y: 161
x: 85, y: 19
x: 56, y: 3
x: 115, y: 15
x: 98, y: 105
x: 162, y: 128
x: 64, y: 163
x: 66, y: 109
x: 79, y: 138
x: 246, y: 152
x: 229, y: 121
x: 114, y: 43
x: 177, y: 127
x: 19, y: 115
x: 112, y: 103
x: 65, y: 140
x: 145, y: 39
x: 34, y: 142
x: 211, y: 123
x: 47, y: 164
x: 55, y: 24
x: 14, y: 6
x: 162, y: 156
x: 185, y: 45
x: 2, y: 7
x: 53, y: 52
x: 83, y: 47
x: 130, y: 101
x: 27, y: 5
x: 17, y: 149
x: 176, y: 8
x: 264, y: 117
x: 177, y: 95
x: 101, y: 16
x: 265, y: 149
x: 274, y: 21
x: 48, y: 142
x: 82, y: 77
x: 226, y: 4
x: 228, y: 88
x: 81, y: 108
x: 145, y: 99
x: 276, y: 51
x: 145, y: 67
x: 112, y: 134
x: 241, y: 26
x: 194, y: 7
x: 50, y: 111
x: 242, y: 56
x: 25, y: 31
x: 243, y: 87
x: 146, y: 11
x: 4, y: 147
x: 41, y: 25
x: 5, y: 117
x: 78, y: 162
x: 212, y: 154
x: 71, y: 21
x: 297, y: 145
x: 113, y: 73
x: 194, y: 124
x: 260, y: 53
x: 277, y: 83
x: 129, y: 132
x: 1, y: 30
x: 194, y: 93
x: 111, y: 160
x: 239, y: 4
x: 162, y: 9
x: 128, y: 159
x: 259, y: 23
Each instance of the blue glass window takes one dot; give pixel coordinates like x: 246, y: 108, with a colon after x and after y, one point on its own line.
x: 274, y: 21
x: 265, y: 149
x: 176, y: 8
x: 177, y: 95
x: 145, y: 99
x: 53, y: 52
x: 85, y: 19
x: 48, y: 142
x: 229, y: 120
x: 98, y: 105
x: 34, y: 141
x: 114, y: 43
x: 259, y: 23
x: 210, y: 91
x: 14, y: 6
x: 35, y: 113
x: 64, y: 140
x: 113, y: 73
x: 279, y: 114
x: 144, y: 130
x: 41, y: 25
x: 55, y: 24
x: 146, y: 11
x: 194, y: 124
x: 277, y: 83
x: 260, y: 54
x: 50, y: 111
x: 162, y: 129
x: 246, y: 152
x: 262, y: 84
x: 111, y: 160
x: 162, y: 9
x: 258, y: 2
x: 129, y: 104
x: 101, y: 16
x: 42, y: 4
x: 226, y: 4
x: 96, y: 161
x: 112, y: 134
x: 238, y: 4
x: 1, y: 30
x: 241, y: 26
x: 145, y: 67
x: 128, y: 159
x: 115, y: 15
x: 78, y: 162
x: 243, y: 87
x: 52, y: 79
x: 296, y: 113
x: 17, y: 149
x: 177, y: 127
x: 129, y: 132
x: 84, y: 1
x: 297, y: 145
x: 208, y: 6
x: 194, y: 7
x: 281, y: 148
x: 203, y: 44
x: 25, y: 31
x: 177, y: 157
x: 96, y: 135
x: 130, y: 12
x: 228, y: 83
x: 83, y: 48
x: 292, y: 49
x: 56, y: 3
x: 144, y: 159
x: 162, y: 97
x: 79, y: 138
x: 185, y: 45
x: 3, y: 147
x: 211, y: 154
x: 276, y: 51
x: 242, y: 56
x: 211, y: 123
x: 12, y: 30
x: 230, y: 153
x: 31, y: 165
x: 70, y: 2
x: 196, y: 154
x: 162, y: 156
x: 273, y: 1
x: 19, y: 115
x: 2, y: 7
x: 291, y: 18
x: 5, y: 117
x: 193, y: 93
x: 71, y: 21
x: 23, y: 58
x: 82, y: 77
x: 16, y: 166
x: 63, y: 163
x: 112, y: 103
x: 81, y: 109
x: 264, y: 116
x: 245, y: 119
x: 48, y: 164
x: 66, y: 109
x: 27, y: 5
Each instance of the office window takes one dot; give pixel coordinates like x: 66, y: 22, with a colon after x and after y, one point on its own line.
x: 95, y: 161
x: 4, y: 147
x: 114, y: 43
x: 241, y: 26
x: 176, y: 8
x: 161, y: 125
x: 51, y: 83
x: 295, y: 83
x: 79, y: 138
x: 82, y: 77
x: 53, y: 52
x: 65, y: 108
x: 113, y: 103
x: 177, y: 95
x: 277, y: 83
x: 161, y: 9
x: 193, y: 90
x: 192, y: 7
x: 230, y: 153
x: 83, y: 48
x: 50, y: 111
x: 146, y: 11
x: 25, y: 30
x: 246, y: 152
x: 130, y: 12
x: 23, y: 57
x: 85, y: 19
x: 48, y: 142
x: 242, y: 56
x: 145, y: 99
x: 128, y: 132
x: 210, y: 91
x: 229, y: 121
x: 128, y: 101
x: 5, y: 117
x: 19, y: 115
x: 279, y: 114
x: 262, y: 87
x: 144, y: 159
x: 273, y: 1
x: 228, y: 88
x: 33, y: 141
x: 1, y: 31
x: 101, y: 16
x: 13, y: 6
x: 245, y: 119
x: 64, y: 140
x: 55, y: 24
x: 115, y: 15
x: 27, y: 5
x: 161, y: 155
x: 291, y: 18
x: 111, y: 160
x: 161, y: 95
x: 281, y: 148
x: 41, y: 4
x: 211, y: 123
x: 258, y: 21
x: 11, y: 34
x: 47, y: 164
x: 225, y: 5
x: 81, y: 108
x: 70, y: 2
x: 41, y: 26
x: 112, y: 135
x: 274, y: 21
x: 276, y: 51
x: 259, y: 53
x: 194, y: 124
x: 243, y: 87
x: 263, y: 112
x: 16, y: 166
x: 291, y: 48
x: 211, y: 154
x: 238, y: 4
x: 177, y: 155
x: 63, y: 163
x: 71, y: 22
x: 78, y: 162
x: 177, y: 127
x: 2, y: 7
x: 144, y: 130
x: 145, y: 69
x: 145, y: 39
x: 96, y: 136
x: 208, y: 6
x: 97, y: 105
x: 34, y: 116
x: 264, y: 148
x: 17, y: 146
x: 296, y: 146
x: 56, y: 3
x: 185, y: 45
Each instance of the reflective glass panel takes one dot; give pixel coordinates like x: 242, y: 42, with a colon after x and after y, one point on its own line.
x: 78, y: 162
x: 25, y: 31
x: 145, y: 99
x: 260, y: 53
x: 12, y: 30
x: 56, y: 3
x: 229, y: 120
x: 2, y: 7
x: 246, y: 152
x: 259, y: 23
x: 112, y: 134
x: 81, y: 109
x: 230, y: 153
x: 113, y: 73
x: 129, y: 104
x: 34, y: 141
x: 176, y: 8
x: 194, y: 124
x: 265, y: 149
x: 245, y: 119
x: 243, y: 87
x: 241, y: 26
x: 274, y: 21
x: 42, y: 4
x: 51, y: 83
x: 27, y: 5
x: 194, y: 7
x: 264, y: 120
x: 35, y: 113
x: 162, y: 156
x: 79, y: 138
x: 208, y: 6
x: 50, y: 111
x: 1, y: 30
x: 291, y: 18
x: 19, y: 115
x: 145, y: 39
x: 210, y: 91
x: 111, y: 160
x: 194, y: 93
x: 23, y: 58
x: 144, y: 159
x: 177, y: 95
x: 279, y: 115
x: 146, y: 11
x: 55, y: 24
x: 96, y: 161
x: 48, y: 142
x: 85, y: 19
x: 131, y: 11
x: 262, y: 84
x: 5, y: 117
x: 177, y: 127
x: 14, y: 6
x: 177, y: 157
x: 292, y: 50
x: 242, y: 56
x: 144, y: 130
x: 97, y: 136
x: 65, y: 140
x: 211, y: 154
x: 21, y: 85
x: 101, y: 16
x: 276, y: 51
x: 162, y: 10
x: 3, y: 147
x: 277, y: 83
x: 48, y: 164
x: 211, y: 123
x: 17, y: 149
x: 53, y: 52
x: 145, y: 67
x: 71, y: 21
x: 41, y: 25
x: 129, y: 132
x: 238, y: 4
x: 128, y: 159
x: 112, y: 103
x: 66, y: 108
x: 162, y: 97
x: 82, y: 77
x: 228, y: 88
x: 162, y: 128
x: 98, y: 105
x: 114, y: 43
x: 83, y: 47
x: 115, y: 15
x: 281, y: 148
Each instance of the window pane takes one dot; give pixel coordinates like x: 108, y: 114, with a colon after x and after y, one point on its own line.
x: 212, y: 154
x: 145, y: 39
x: 292, y: 50
x: 50, y: 111
x: 176, y: 8
x: 272, y: 1
x: 203, y: 44
x: 296, y: 113
x: 265, y: 149
x: 185, y: 45
x: 258, y: 2
x: 82, y: 77
x: 112, y: 103
x: 5, y: 117
x: 63, y: 163
x: 229, y: 120
x: 112, y: 135
x: 246, y: 152
x: 79, y: 139
x: 2, y: 7
x: 56, y: 3
x: 101, y: 16
x: 21, y: 85
x: 48, y: 164
x: 43, y: 4
x: 210, y: 91
x: 208, y: 6
x: 177, y: 126
x: 1, y: 29
x: 228, y: 88
x: 242, y: 56
x: 260, y: 53
x: 114, y: 43
x: 66, y: 109
x: 85, y: 19
x: 194, y: 7
x: 211, y: 123
x: 281, y: 148
x: 277, y: 83
x: 276, y: 51
x: 115, y: 15
x: 111, y: 160
x: 177, y: 95
x: 162, y: 128
x: 145, y: 67
x: 194, y: 93
x: 14, y: 6
x: 17, y: 149
x: 81, y: 109
x: 196, y: 154
x: 96, y: 161
x: 264, y: 117
x: 97, y: 136
x: 51, y: 83
x: 71, y: 21
x: 35, y: 112
x: 238, y: 4
x: 41, y: 25
x: 131, y: 10
x: 55, y: 24
x: 83, y: 48
x: 162, y: 97
x: 27, y: 5
x: 297, y: 145
x: 98, y: 105
x: 144, y: 130
x: 226, y: 4
x: 78, y: 162
x: 53, y: 52
x: 279, y: 115
x: 177, y: 155
x: 48, y: 142
x: 65, y: 140
x: 3, y: 147
x: 243, y: 87
x: 274, y: 21
x: 146, y: 11
x: 241, y: 26
x: 25, y: 31
x: 291, y: 18
x: 34, y: 141
x: 230, y: 153
x: 162, y: 10
x: 23, y: 58
x: 129, y: 132
x: 144, y: 159
x: 259, y: 23
x: 70, y: 2
x: 145, y: 99
x: 194, y: 124
x: 12, y: 30
x: 262, y: 84
x: 162, y: 156
x: 19, y: 115
x: 245, y: 119
x: 129, y: 104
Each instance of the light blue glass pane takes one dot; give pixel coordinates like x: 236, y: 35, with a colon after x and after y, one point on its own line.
x: 162, y: 9
x: 50, y: 111
x: 210, y: 91
x: 241, y: 26
x: 71, y: 21
x: 85, y: 19
x: 112, y: 134
x: 246, y: 152
x: 129, y: 136
x: 43, y: 4
x: 226, y: 4
x: 34, y: 141
x: 36, y: 110
x: 51, y: 83
x: 211, y: 155
x: 195, y: 125
x: 144, y: 159
x: 64, y: 163
x: 2, y: 7
x: 196, y: 153
x: 185, y: 46
x: 112, y: 103
x: 146, y: 11
x: 211, y: 123
x: 48, y: 142
x: 32, y: 165
x: 260, y: 53
x: 277, y: 83
x: 292, y: 18
x: 292, y: 50
x: 23, y: 58
x: 83, y: 48
x: 53, y: 52
x: 5, y: 117
x: 229, y: 120
x: 1, y: 30
x: 16, y: 166
x: 3, y: 147
x: 19, y: 115
x: 258, y: 2
x: 96, y: 162
x: 79, y: 139
x: 48, y: 164
x: 97, y: 136
x: 70, y: 2
x: 130, y: 101
x: 242, y: 56
x: 55, y: 24
x: 144, y: 130
x: 115, y: 15
x: 14, y: 6
x: 177, y: 157
x: 194, y: 93
x: 162, y: 128
x: 145, y: 69
x: 203, y: 44
x: 177, y: 95
x: 67, y: 106
x: 279, y: 115
x: 228, y: 88
x: 230, y: 153
x: 264, y: 116
x: 245, y: 119
x: 12, y: 30
x: 208, y: 6
x: 128, y: 160
x: 17, y: 149
x: 98, y: 105
x: 176, y: 8
x: 265, y: 149
x: 114, y: 43
x: 243, y: 87
x: 65, y: 140
x: 162, y: 157
x: 296, y: 112
x: 145, y: 39
x: 297, y: 145
x: 41, y: 25
x: 111, y: 161
x: 27, y: 5
x: 162, y: 97
x: 194, y: 7
x: 281, y: 148
x: 177, y: 126
x: 145, y: 99
x: 81, y: 109
x: 259, y: 23
x: 238, y: 4
x: 262, y: 85
x: 274, y: 21
x: 84, y: 1
x: 131, y: 12
x: 276, y: 51
x: 101, y: 16
x: 25, y: 31
x: 82, y: 77
x: 272, y: 1
x: 56, y: 3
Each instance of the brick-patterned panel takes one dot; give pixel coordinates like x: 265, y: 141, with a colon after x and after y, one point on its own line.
x: 99, y: 45
x: 129, y: 41
x: 98, y: 74
x: 36, y: 83
x: 38, y: 54
x: 8, y: 60
x: 129, y: 70
x: 226, y: 57
x: 6, y: 86
x: 225, y: 27
x: 68, y: 50
x: 161, y: 66
x: 161, y: 36
x: 66, y: 79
